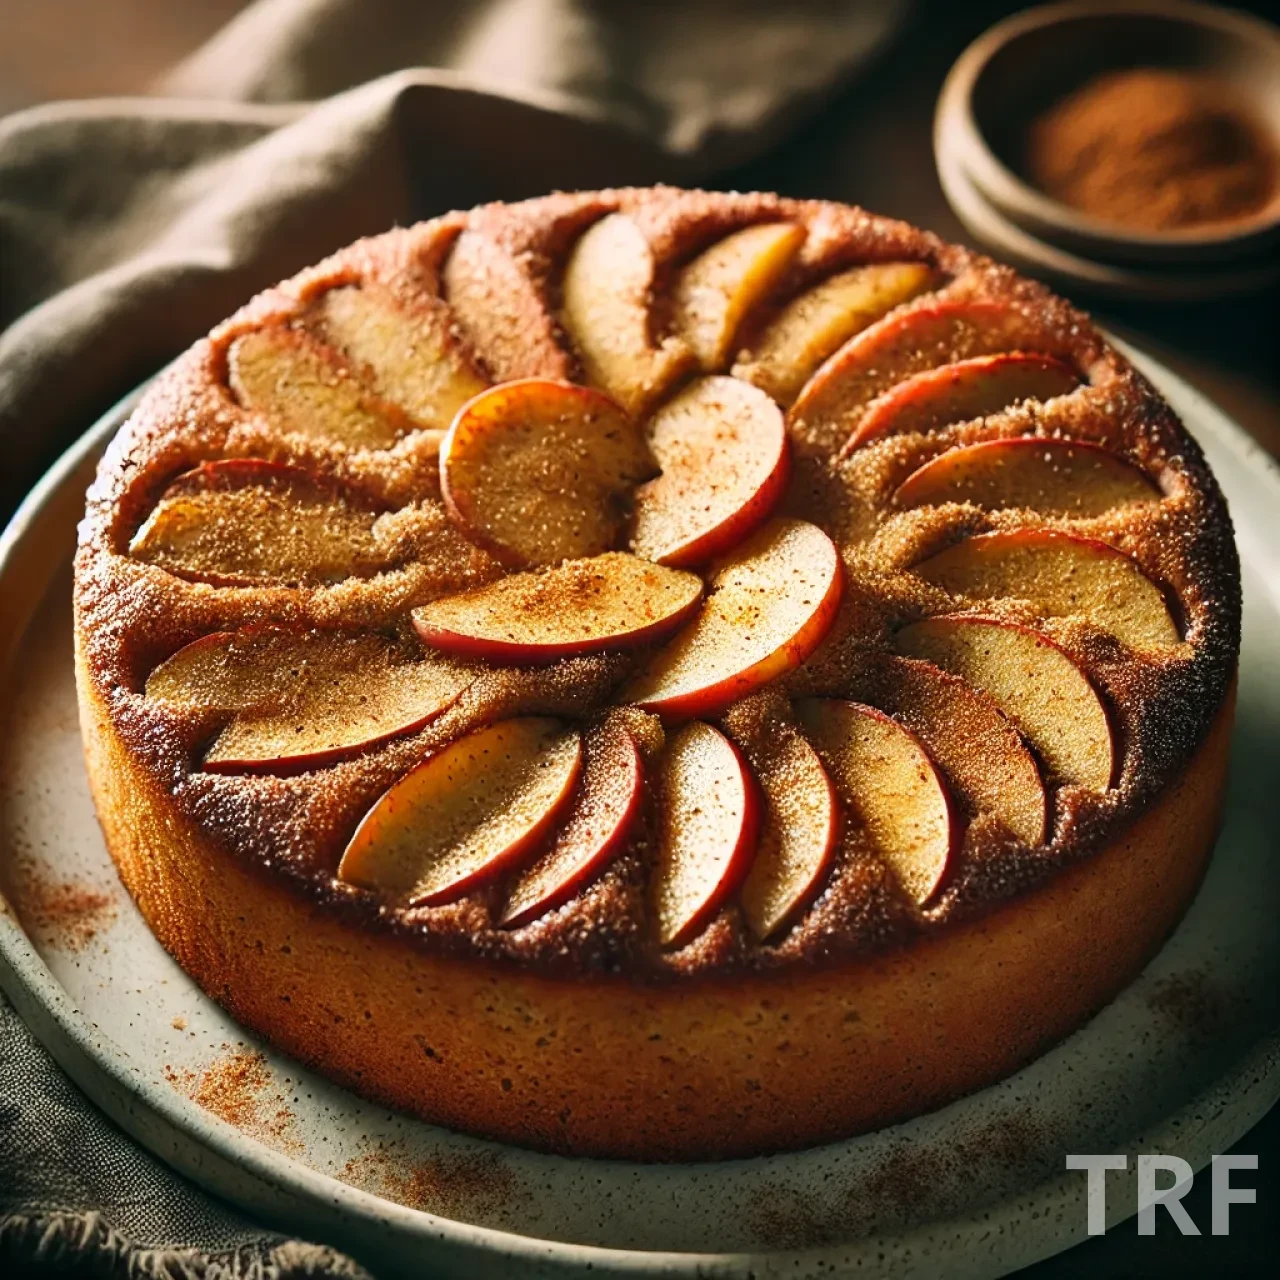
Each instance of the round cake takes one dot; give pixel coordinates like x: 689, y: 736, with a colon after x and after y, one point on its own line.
x: 658, y: 674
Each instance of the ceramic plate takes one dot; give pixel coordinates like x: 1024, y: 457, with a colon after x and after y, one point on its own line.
x: 1184, y: 1061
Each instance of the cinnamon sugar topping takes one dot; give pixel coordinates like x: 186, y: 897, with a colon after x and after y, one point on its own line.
x: 839, y: 404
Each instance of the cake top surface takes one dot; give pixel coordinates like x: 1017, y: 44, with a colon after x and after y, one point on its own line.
x: 656, y: 581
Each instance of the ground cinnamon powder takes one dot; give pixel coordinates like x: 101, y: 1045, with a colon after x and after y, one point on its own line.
x: 1154, y: 149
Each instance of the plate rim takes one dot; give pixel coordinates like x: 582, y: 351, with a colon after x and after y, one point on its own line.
x: 303, y: 1194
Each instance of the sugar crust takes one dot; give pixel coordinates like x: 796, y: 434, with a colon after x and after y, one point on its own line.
x: 498, y: 267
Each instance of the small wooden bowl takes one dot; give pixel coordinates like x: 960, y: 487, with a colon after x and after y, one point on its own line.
x: 1022, y: 65
x: 1072, y: 272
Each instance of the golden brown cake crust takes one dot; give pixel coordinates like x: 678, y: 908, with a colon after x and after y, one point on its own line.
x: 494, y: 273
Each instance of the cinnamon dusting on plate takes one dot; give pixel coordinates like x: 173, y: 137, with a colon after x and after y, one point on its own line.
x: 1192, y: 1003
x: 66, y: 914
x: 239, y: 1087
x: 465, y: 1187
x: 900, y: 1185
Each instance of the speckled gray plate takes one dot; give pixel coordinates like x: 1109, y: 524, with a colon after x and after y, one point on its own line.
x: 1184, y: 1061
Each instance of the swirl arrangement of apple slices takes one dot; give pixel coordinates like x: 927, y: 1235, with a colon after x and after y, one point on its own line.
x: 680, y: 450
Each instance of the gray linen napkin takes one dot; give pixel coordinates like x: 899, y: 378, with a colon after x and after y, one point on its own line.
x: 129, y: 226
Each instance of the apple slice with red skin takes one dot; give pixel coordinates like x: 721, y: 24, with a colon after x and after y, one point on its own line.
x: 300, y: 699
x: 303, y: 385
x: 708, y: 821
x: 606, y: 292
x: 466, y: 813
x: 1060, y: 574
x: 895, y: 348
x: 983, y: 756
x: 893, y: 788
x: 611, y: 601
x: 603, y: 814
x: 769, y: 607
x: 537, y: 471
x: 410, y: 354
x: 722, y: 446
x: 1034, y: 681
x: 962, y: 391
x: 715, y: 292
x: 250, y: 522
x: 1054, y: 477
x: 784, y: 355
x: 799, y: 832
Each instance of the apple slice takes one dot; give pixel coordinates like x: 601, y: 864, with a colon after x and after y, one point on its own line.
x: 722, y: 447
x: 305, y: 386
x: 719, y: 288
x: 974, y: 743
x: 606, y: 289
x: 707, y: 831
x: 495, y: 293
x: 1034, y: 681
x: 538, y: 471
x: 961, y: 391
x: 411, y: 355
x: 466, y: 813
x: 1054, y: 477
x: 810, y: 327
x: 297, y: 699
x: 1061, y: 574
x: 769, y: 607
x: 611, y: 601
x: 882, y: 770
x: 902, y: 344
x: 248, y: 522
x: 603, y: 814
x: 799, y: 832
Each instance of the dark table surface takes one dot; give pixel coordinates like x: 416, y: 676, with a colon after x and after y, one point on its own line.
x: 871, y: 146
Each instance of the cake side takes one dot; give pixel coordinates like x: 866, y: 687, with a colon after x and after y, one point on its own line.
x: 701, y: 1070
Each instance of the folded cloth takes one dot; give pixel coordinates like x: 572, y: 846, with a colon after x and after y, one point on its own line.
x: 77, y: 1198
x: 128, y: 227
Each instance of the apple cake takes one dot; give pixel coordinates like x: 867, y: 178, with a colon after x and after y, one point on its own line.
x: 658, y: 674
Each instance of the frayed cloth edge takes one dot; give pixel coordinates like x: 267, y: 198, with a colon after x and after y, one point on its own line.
x: 87, y: 1243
